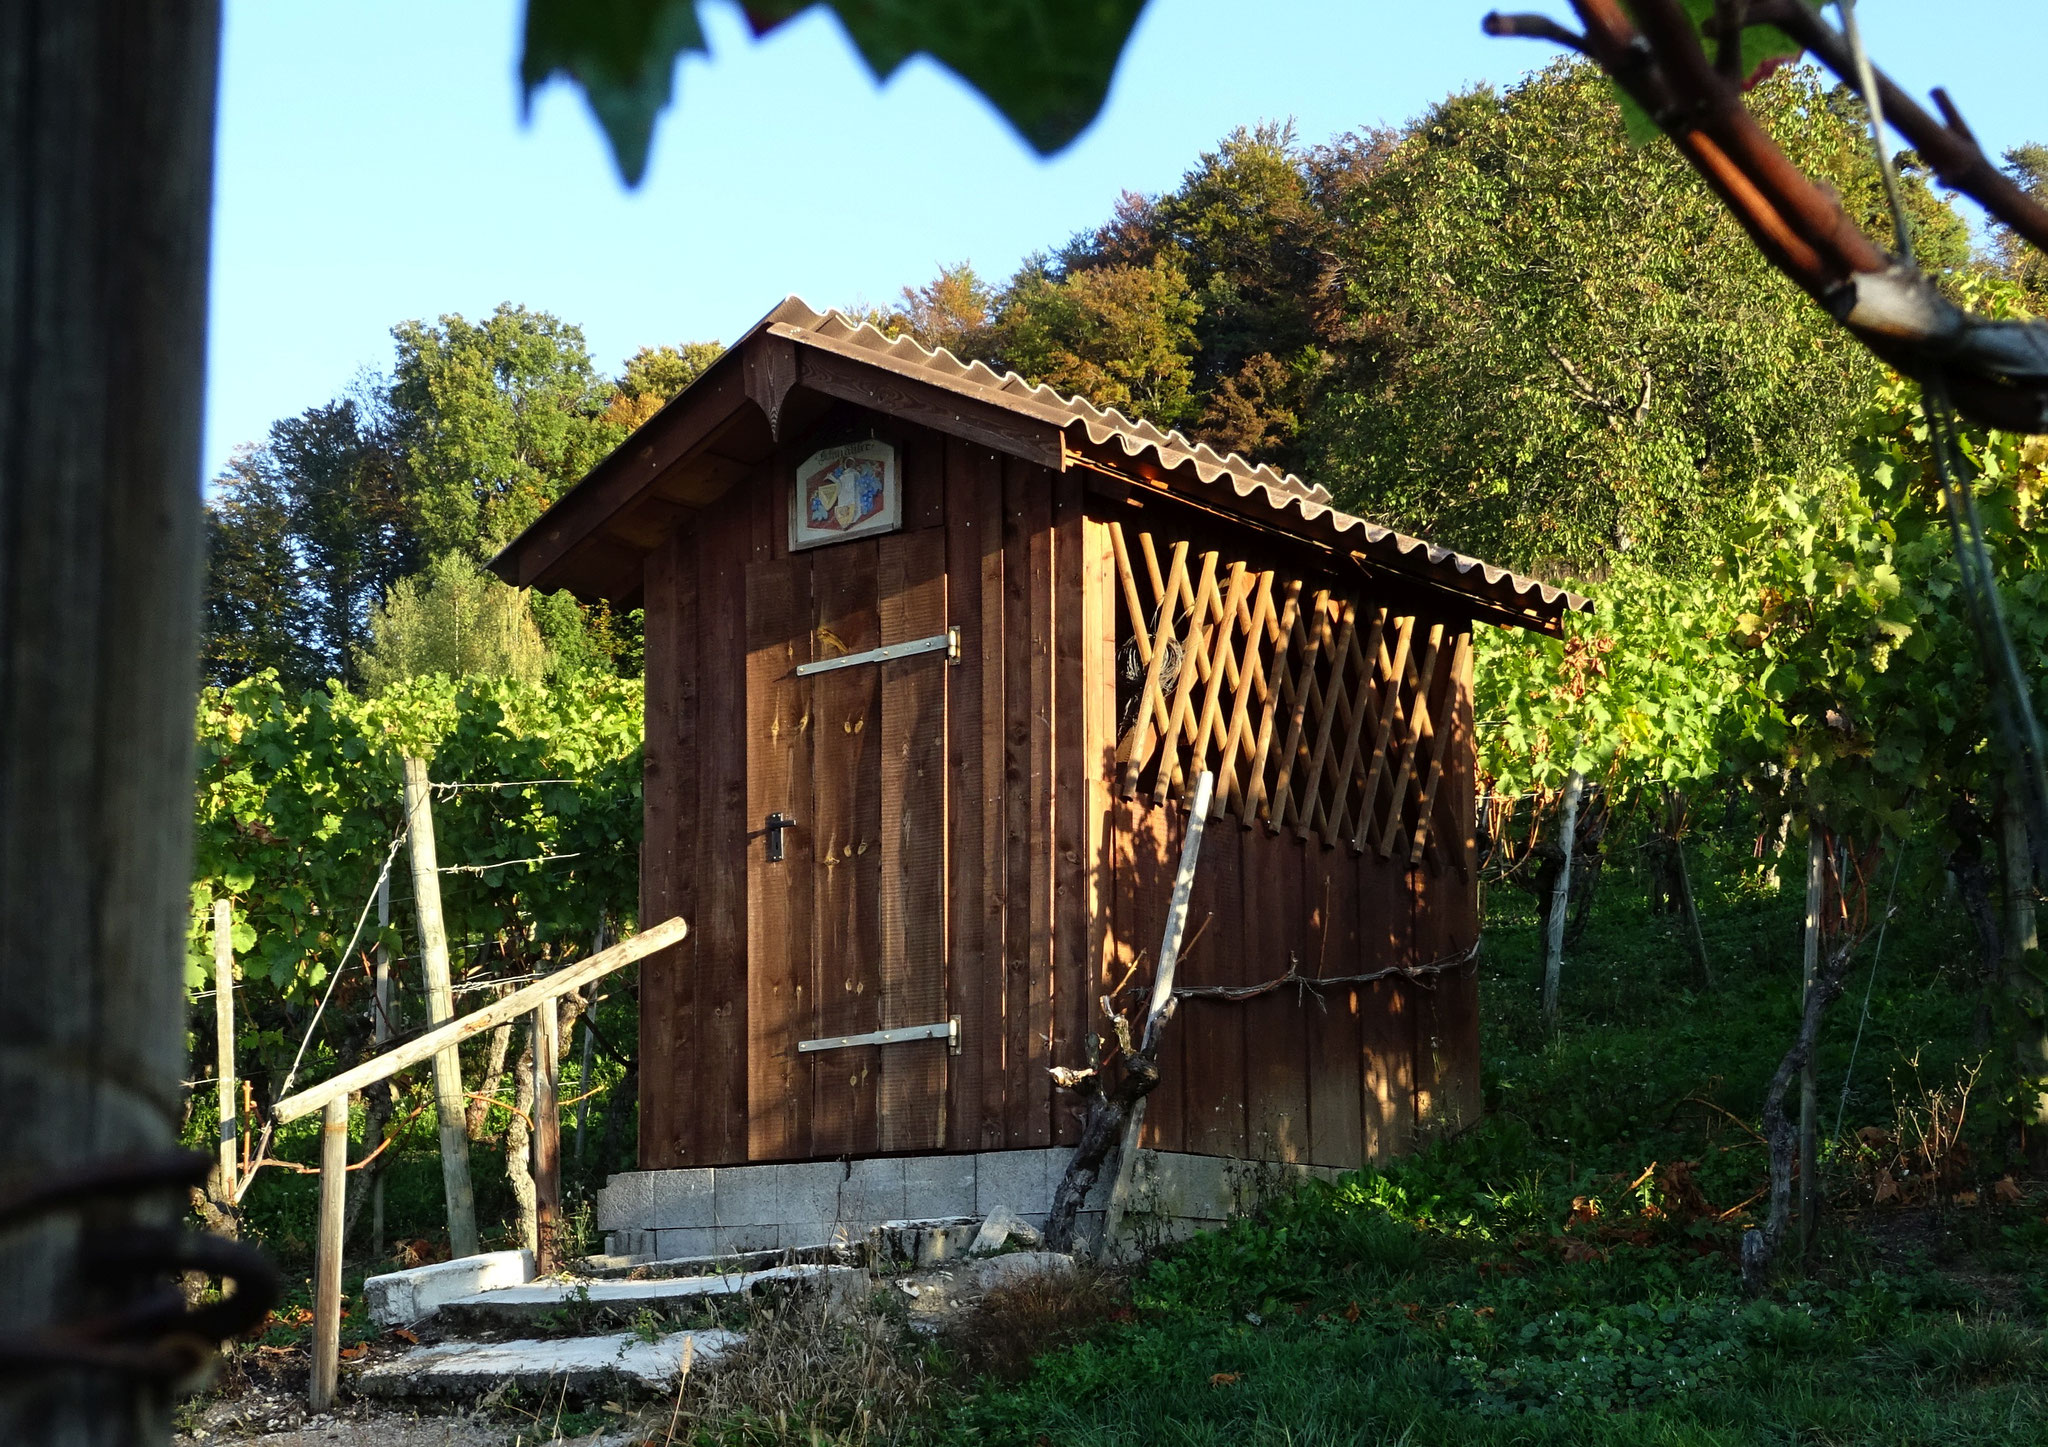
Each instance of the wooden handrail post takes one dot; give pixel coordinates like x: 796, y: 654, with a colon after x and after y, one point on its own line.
x: 448, y: 1095
x: 327, y: 1255
x: 224, y: 1050
x: 547, y: 1134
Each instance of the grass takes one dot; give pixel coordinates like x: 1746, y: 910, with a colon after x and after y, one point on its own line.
x: 1563, y: 1273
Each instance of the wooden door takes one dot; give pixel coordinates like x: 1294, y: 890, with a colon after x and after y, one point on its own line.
x: 847, y: 928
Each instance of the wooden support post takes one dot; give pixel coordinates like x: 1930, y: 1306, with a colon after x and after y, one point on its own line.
x: 1561, y: 898
x: 380, y: 1031
x: 1161, y: 1004
x: 583, y: 1075
x: 1809, y: 1086
x: 547, y: 1134
x: 224, y: 1049
x: 327, y: 1255
x: 449, y: 1101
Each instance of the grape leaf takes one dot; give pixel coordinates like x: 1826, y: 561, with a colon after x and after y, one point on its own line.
x: 1045, y: 65
x: 1764, y: 49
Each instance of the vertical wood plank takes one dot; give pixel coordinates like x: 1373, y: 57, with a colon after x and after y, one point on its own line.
x: 846, y: 797
x: 1037, y: 1083
x: 779, y: 894
x: 911, y: 1100
x: 1213, y: 1032
x: 1027, y: 589
x: 1073, y: 962
x: 1275, y: 1025
x: 924, y: 479
x: 1099, y: 733
x: 1386, y: 1015
x: 717, y: 1077
x: 668, y: 855
x: 967, y: 968
x: 1144, y: 889
x: 991, y: 514
x: 1336, y: 1050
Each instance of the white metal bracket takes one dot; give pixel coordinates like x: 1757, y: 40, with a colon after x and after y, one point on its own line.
x: 947, y: 643
x: 946, y: 1030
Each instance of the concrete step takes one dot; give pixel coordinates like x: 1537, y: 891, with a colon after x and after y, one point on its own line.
x: 586, y: 1366
x: 585, y: 1306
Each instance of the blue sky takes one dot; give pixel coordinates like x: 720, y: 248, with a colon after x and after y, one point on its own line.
x: 373, y: 164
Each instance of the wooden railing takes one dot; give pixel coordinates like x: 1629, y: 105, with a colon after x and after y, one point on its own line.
x: 331, y: 1097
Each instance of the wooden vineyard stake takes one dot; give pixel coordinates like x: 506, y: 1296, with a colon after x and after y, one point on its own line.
x: 327, y: 1255
x: 224, y: 1031
x: 1561, y: 898
x: 380, y: 1035
x: 1809, y: 1084
x: 449, y: 1100
x: 547, y: 1134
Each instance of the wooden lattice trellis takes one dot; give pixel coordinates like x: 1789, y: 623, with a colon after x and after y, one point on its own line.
x: 1317, y: 713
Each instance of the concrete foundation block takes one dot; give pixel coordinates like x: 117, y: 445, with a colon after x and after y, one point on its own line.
x: 1194, y: 1187
x: 682, y: 1199
x: 938, y: 1186
x: 735, y: 1240
x: 400, y: 1298
x: 747, y: 1196
x: 1016, y: 1179
x: 873, y: 1191
x: 686, y: 1243
x: 810, y: 1194
x: 626, y: 1202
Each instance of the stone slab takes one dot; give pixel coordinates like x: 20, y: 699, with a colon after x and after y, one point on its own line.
x: 584, y: 1365
x: 606, y: 1300
x: 401, y: 1298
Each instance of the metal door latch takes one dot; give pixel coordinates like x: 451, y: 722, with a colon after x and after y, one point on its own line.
x: 777, y: 822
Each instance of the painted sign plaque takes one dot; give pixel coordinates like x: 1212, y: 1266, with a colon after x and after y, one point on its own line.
x: 846, y: 492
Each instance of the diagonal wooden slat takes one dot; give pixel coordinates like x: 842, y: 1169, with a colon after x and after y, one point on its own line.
x: 1461, y: 660
x: 1363, y: 717
x: 1222, y: 669
x: 1192, y: 650
x: 1419, y: 729
x: 1163, y: 645
x: 1307, y: 704
x: 1316, y: 807
x: 1279, y: 696
x: 1252, y: 680
x: 1390, y: 714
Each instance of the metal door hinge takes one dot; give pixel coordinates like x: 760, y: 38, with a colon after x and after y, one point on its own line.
x: 947, y: 643
x: 946, y: 1030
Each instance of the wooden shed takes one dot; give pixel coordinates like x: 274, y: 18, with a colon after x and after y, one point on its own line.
x: 933, y: 658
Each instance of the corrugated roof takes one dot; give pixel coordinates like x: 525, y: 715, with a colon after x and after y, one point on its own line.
x: 1300, y: 507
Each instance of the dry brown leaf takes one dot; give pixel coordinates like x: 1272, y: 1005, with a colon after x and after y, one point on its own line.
x: 2007, y: 1190
x: 1224, y: 1379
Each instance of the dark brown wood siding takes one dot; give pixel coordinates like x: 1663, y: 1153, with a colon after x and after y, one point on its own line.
x: 966, y: 846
